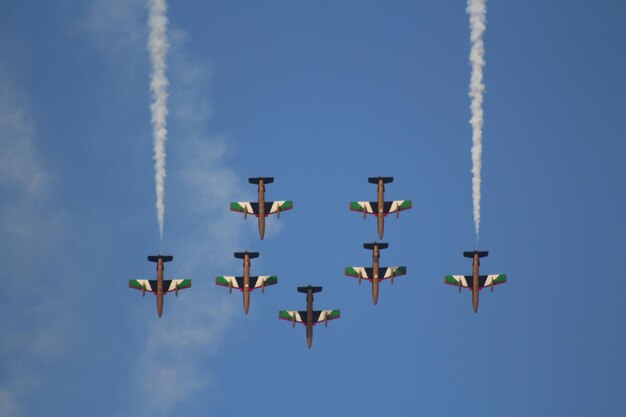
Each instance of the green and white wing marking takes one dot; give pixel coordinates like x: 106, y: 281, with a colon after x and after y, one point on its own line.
x: 292, y: 315
x: 368, y: 274
x: 394, y: 271
x: 265, y: 280
x: 357, y: 272
x: 150, y: 285
x: 242, y: 207
x: 278, y: 206
x: 176, y: 284
x: 400, y: 205
x: 467, y: 281
x: 371, y: 207
x: 141, y: 284
x: 493, y: 280
x: 362, y: 206
x: 326, y: 315
x: 457, y: 280
x: 227, y: 281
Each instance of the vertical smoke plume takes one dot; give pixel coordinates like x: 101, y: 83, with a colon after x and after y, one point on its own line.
x: 477, y: 10
x: 158, y: 46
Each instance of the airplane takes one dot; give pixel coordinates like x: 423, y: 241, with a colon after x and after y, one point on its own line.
x: 246, y: 284
x: 262, y: 208
x: 309, y: 317
x: 376, y: 273
x: 159, y: 286
x: 380, y: 208
x: 475, y: 282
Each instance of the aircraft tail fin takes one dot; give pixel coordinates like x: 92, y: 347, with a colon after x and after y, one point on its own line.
x: 370, y: 246
x: 481, y: 254
x: 242, y: 255
x: 155, y: 258
x: 266, y: 180
x: 306, y: 289
x: 374, y: 180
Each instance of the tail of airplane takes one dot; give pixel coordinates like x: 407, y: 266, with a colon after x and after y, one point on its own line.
x: 155, y: 258
x: 306, y: 289
x: 242, y: 255
x: 266, y: 180
x: 481, y: 254
x: 374, y: 180
x: 370, y: 246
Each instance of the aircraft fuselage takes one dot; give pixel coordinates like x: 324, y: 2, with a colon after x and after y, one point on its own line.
x: 475, y: 281
x: 309, y: 317
x: 375, y: 272
x: 159, y: 294
x: 261, y: 208
x: 381, y: 207
x: 246, y: 282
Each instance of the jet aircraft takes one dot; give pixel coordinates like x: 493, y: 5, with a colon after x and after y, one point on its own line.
x: 376, y: 273
x: 246, y: 284
x: 160, y: 286
x: 380, y: 208
x: 475, y: 282
x: 309, y: 317
x: 262, y: 208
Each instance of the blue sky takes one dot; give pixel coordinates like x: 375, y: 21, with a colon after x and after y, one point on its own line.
x: 319, y: 95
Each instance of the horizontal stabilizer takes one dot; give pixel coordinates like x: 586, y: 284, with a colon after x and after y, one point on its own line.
x: 306, y: 289
x: 374, y: 180
x: 370, y: 246
x: 266, y: 180
x: 481, y: 254
x: 242, y: 255
x: 155, y: 258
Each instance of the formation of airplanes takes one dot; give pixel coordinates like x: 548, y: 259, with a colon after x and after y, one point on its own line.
x: 309, y: 317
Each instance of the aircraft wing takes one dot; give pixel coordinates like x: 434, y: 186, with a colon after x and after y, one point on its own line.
x: 142, y: 284
x: 371, y: 207
x: 459, y: 280
x: 244, y: 207
x: 318, y: 315
x: 467, y: 281
x: 368, y: 273
x: 489, y: 280
x: 325, y: 315
x: 291, y: 315
x: 173, y: 284
x: 272, y: 207
x: 238, y: 282
x: 364, y: 206
x: 150, y: 285
x: 397, y: 205
x: 263, y: 281
x: 228, y: 281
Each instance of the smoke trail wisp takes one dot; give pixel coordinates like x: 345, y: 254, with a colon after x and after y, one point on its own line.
x: 158, y: 46
x: 477, y: 10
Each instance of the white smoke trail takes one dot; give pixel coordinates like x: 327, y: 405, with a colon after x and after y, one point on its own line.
x: 477, y: 10
x: 158, y: 46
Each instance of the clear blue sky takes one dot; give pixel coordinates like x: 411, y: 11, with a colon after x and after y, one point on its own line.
x: 319, y: 95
